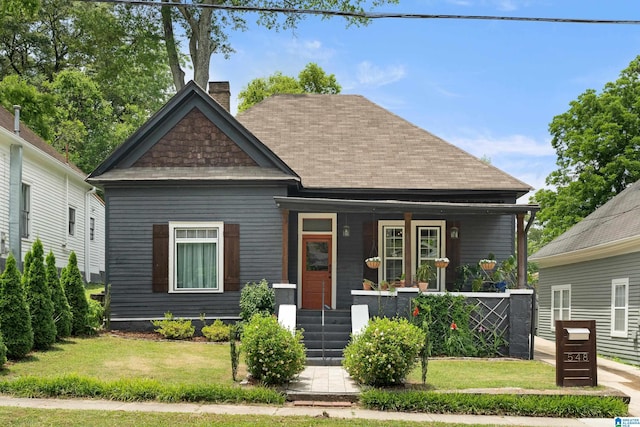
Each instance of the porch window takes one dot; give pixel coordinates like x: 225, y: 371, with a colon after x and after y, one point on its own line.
x: 560, y: 304
x: 195, y: 260
x: 429, y: 249
x: 393, y: 252
x: 619, y: 307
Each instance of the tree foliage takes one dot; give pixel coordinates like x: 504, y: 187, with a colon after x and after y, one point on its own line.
x: 39, y: 300
x: 61, y: 309
x: 597, y: 142
x: 15, y: 320
x: 312, y: 79
x: 74, y: 289
x: 207, y: 30
x: 86, y: 74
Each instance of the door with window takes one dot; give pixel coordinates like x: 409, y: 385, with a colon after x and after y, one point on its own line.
x: 316, y: 271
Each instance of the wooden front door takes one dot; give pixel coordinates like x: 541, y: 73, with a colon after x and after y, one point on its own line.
x: 316, y: 271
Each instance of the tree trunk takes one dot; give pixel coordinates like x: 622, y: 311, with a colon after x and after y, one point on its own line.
x: 170, y: 43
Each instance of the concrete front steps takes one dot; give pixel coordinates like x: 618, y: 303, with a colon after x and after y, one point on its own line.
x: 325, y: 344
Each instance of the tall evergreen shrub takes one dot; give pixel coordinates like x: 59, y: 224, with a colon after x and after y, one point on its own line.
x: 61, y: 309
x: 15, y: 319
x: 39, y: 300
x: 74, y: 289
x: 28, y: 257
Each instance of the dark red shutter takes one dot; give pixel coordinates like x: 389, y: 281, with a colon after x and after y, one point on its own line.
x: 160, y: 258
x: 232, y: 257
x: 369, y: 240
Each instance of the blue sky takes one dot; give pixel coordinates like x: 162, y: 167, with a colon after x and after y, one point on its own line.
x: 489, y: 87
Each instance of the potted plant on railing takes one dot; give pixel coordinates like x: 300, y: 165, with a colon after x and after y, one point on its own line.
x: 373, y: 262
x: 367, y: 284
x: 423, y: 275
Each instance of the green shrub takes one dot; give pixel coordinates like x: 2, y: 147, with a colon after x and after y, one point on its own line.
x: 61, y: 308
x: 39, y: 300
x: 74, y: 290
x: 75, y: 386
x: 384, y: 353
x: 494, y: 404
x: 257, y: 298
x: 15, y: 319
x: 95, y: 316
x: 3, y: 352
x: 217, y: 331
x: 235, y: 331
x: 274, y: 355
x: 174, y: 329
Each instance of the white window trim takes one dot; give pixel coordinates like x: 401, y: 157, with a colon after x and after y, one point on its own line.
x: 414, y: 243
x: 334, y: 250
x: 75, y: 220
x: 625, y: 283
x: 27, y: 226
x: 559, y: 288
x: 172, y: 244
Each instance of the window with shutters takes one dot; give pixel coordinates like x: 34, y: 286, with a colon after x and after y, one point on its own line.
x: 196, y: 261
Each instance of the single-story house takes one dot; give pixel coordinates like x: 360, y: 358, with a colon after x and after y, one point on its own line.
x: 297, y: 189
x: 592, y: 272
x: 45, y: 196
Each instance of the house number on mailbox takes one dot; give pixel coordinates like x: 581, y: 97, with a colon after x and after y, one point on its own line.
x: 577, y: 356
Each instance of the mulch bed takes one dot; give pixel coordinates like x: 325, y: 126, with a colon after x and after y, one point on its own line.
x: 149, y: 336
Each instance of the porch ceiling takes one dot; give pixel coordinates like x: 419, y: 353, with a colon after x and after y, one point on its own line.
x: 395, y: 206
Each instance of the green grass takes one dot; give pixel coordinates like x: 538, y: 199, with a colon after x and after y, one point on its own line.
x: 15, y: 417
x: 455, y: 374
x: 111, y: 358
x: 93, y: 288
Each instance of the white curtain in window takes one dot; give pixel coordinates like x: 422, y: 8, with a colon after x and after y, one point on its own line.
x: 196, y: 265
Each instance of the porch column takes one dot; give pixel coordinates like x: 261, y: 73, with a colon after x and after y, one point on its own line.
x: 285, y: 245
x: 522, y: 251
x: 407, y: 247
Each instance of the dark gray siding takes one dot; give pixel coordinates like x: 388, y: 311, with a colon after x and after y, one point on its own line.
x: 132, y: 211
x: 591, y: 300
x: 480, y: 235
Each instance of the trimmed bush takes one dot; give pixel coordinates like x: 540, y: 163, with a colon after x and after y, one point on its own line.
x: 564, y: 406
x: 384, y: 353
x: 15, y: 319
x: 174, y: 329
x: 217, y: 331
x: 274, y: 355
x: 61, y: 308
x: 257, y: 298
x: 39, y: 300
x: 74, y: 290
x: 3, y: 352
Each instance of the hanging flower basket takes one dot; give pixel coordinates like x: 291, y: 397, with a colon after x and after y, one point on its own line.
x: 373, y: 262
x: 441, y: 262
x: 487, y: 264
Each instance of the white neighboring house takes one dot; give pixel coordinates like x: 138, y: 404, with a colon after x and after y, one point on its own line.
x: 44, y: 196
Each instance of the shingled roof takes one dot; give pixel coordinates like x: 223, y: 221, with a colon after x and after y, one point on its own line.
x: 347, y: 141
x: 615, y: 222
x: 6, y: 121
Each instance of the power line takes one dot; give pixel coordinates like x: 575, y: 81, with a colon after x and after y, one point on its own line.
x: 367, y: 15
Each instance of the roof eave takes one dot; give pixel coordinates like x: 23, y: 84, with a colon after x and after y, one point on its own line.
x: 605, y: 250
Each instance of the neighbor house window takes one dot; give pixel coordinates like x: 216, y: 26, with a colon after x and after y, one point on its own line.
x: 72, y: 221
x: 619, y: 307
x: 25, y: 210
x: 195, y: 256
x: 92, y: 228
x: 560, y: 304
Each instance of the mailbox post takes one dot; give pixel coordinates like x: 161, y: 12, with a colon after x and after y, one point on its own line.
x: 576, y: 353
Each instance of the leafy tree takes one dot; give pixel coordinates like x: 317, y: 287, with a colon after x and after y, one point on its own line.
x: 15, y: 319
x: 39, y: 300
x: 207, y: 29
x: 38, y: 109
x: 61, y: 309
x: 312, y: 79
x: 74, y: 289
x: 597, y: 142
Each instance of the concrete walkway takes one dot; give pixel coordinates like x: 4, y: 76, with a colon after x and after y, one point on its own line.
x: 327, y: 381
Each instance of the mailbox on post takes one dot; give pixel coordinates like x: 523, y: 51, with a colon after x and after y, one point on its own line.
x: 576, y: 353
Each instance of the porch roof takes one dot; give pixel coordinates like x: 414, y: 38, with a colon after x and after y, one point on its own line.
x: 393, y: 206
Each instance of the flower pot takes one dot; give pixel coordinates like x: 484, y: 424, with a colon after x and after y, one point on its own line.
x: 373, y: 264
x: 366, y: 286
x: 442, y: 264
x: 487, y: 265
x: 423, y: 286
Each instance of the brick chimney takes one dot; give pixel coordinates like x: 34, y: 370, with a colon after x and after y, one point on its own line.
x: 220, y: 92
